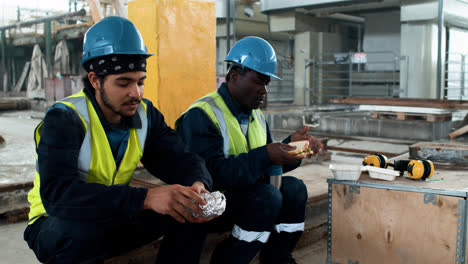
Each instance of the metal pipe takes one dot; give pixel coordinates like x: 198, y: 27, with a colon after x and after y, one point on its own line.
x: 407, y: 76
x: 234, y: 26
x: 440, y: 26
x: 305, y: 83
x: 462, y: 81
x: 81, y: 12
x: 350, y: 75
x: 48, y: 47
x: 2, y: 47
x: 228, y: 26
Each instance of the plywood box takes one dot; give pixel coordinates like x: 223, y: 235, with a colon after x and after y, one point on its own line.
x: 404, y: 221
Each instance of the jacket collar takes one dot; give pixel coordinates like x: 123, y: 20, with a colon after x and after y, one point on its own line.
x: 232, y: 104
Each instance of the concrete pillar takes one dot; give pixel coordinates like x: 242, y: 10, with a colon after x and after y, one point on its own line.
x: 48, y: 47
x: 4, y: 70
x: 302, y: 52
x: 419, y: 43
x: 220, y: 55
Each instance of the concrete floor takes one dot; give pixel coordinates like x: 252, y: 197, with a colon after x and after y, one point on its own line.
x: 15, y: 250
x: 17, y: 156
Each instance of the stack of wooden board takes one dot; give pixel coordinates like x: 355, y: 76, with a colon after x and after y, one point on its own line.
x: 433, y: 117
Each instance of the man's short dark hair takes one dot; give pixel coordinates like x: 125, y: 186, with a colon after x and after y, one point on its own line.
x: 87, y: 84
x: 241, y: 70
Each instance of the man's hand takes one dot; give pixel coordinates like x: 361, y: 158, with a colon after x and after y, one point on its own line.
x: 278, y: 153
x: 174, y: 199
x: 199, y: 187
x: 314, y: 144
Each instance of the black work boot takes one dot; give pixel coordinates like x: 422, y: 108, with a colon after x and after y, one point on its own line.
x: 279, y: 248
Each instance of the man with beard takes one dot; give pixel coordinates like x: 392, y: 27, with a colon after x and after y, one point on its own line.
x: 88, y: 146
x: 229, y: 131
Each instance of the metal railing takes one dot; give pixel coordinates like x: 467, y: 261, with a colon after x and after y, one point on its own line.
x: 353, y: 74
x: 456, y: 76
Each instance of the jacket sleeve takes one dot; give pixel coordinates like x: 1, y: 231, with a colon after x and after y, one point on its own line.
x: 202, y: 137
x: 62, y: 191
x: 165, y: 155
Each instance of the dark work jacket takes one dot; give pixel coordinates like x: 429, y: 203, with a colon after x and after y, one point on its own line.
x: 64, y: 195
x: 235, y: 172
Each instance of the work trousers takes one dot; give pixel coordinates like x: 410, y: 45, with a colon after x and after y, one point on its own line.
x: 261, y: 217
x: 56, y: 240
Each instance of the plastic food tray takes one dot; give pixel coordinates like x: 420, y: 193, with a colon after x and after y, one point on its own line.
x: 346, y: 172
x: 381, y: 174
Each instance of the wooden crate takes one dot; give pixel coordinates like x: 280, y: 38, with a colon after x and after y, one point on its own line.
x: 396, y: 222
x: 432, y: 117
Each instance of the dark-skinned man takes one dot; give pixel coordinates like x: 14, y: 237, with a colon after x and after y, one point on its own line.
x: 88, y: 145
x: 228, y: 130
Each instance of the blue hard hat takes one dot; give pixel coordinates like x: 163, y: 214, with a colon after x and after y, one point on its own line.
x: 112, y: 35
x: 254, y: 53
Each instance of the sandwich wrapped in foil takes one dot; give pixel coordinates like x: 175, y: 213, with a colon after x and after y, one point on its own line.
x: 215, y: 204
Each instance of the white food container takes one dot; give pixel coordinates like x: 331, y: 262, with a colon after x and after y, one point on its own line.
x: 346, y: 172
x: 381, y: 173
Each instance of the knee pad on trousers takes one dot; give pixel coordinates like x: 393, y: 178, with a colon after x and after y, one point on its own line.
x: 293, y: 191
x: 258, y: 208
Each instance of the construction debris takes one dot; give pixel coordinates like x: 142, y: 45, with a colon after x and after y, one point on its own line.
x: 459, y: 132
x: 37, y: 73
x: 439, y: 117
x: 13, y: 197
x: 14, y: 104
x: 454, y: 155
x: 24, y: 73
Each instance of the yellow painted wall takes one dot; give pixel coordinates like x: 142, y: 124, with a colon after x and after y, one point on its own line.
x: 182, y: 35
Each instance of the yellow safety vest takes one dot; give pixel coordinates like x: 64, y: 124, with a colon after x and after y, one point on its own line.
x: 235, y: 142
x: 95, y: 162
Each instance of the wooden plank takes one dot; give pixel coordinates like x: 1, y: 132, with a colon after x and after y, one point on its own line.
x: 447, y: 180
x: 458, y: 132
x: 23, y: 76
x: 404, y: 109
x: 17, y: 215
x: 119, y: 7
x: 10, y: 187
x: 96, y: 10
x: 413, y: 102
x: 403, y: 116
x: 388, y: 226
x: 399, y: 115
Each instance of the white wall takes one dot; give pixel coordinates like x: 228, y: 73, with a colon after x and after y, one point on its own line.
x: 382, y: 34
x: 457, y: 76
x: 419, y: 42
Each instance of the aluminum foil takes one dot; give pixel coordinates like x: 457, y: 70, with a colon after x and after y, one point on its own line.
x: 215, y: 204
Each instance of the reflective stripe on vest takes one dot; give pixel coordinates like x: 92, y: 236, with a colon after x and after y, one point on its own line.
x: 289, y: 228
x: 95, y: 161
x: 249, y: 236
x: 221, y: 122
x: 234, y: 141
